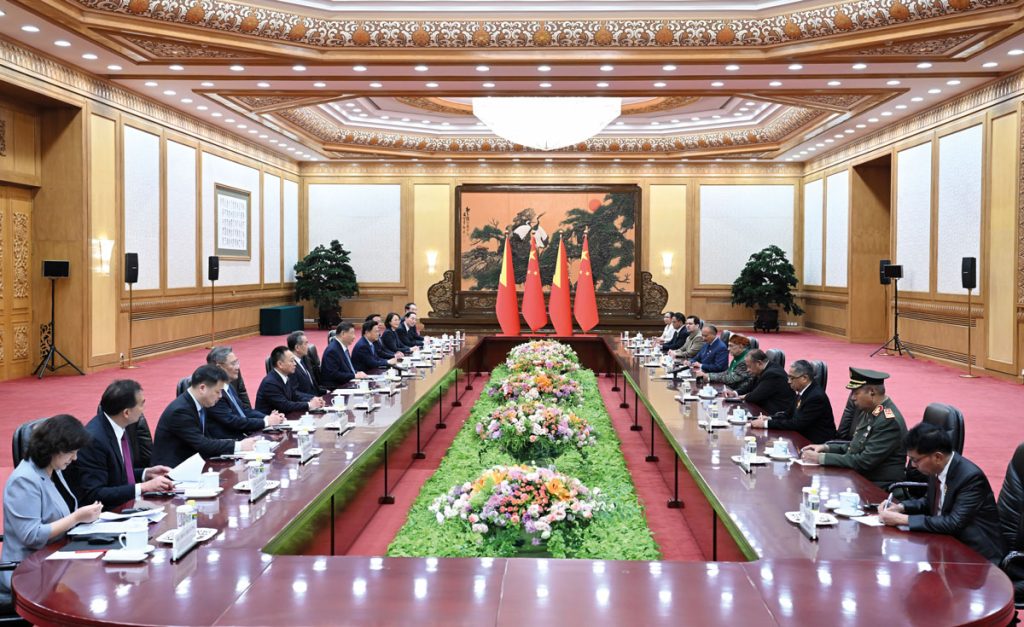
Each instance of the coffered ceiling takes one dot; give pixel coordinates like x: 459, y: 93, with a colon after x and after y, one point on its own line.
x: 393, y: 79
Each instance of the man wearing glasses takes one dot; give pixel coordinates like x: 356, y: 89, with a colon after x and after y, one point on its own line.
x: 810, y: 414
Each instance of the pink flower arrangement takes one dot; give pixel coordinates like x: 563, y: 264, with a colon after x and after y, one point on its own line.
x: 538, y: 385
x: 534, y: 430
x: 521, y: 499
x: 547, y: 355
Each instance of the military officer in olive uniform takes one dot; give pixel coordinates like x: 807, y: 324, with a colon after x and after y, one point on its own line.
x: 876, y: 450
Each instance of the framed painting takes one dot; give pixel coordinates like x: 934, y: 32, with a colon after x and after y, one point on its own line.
x: 232, y: 210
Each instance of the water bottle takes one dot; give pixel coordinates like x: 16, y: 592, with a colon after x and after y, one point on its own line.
x: 814, y: 502
x: 750, y: 448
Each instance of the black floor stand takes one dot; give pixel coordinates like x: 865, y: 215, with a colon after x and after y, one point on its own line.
x: 894, y: 344
x: 49, y: 362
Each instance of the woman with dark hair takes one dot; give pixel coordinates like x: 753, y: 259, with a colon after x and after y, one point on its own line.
x: 38, y: 504
x: 392, y: 341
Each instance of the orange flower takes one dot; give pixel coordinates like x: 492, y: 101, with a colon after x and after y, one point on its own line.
x: 557, y: 488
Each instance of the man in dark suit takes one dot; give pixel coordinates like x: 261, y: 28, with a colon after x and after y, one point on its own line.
x: 714, y: 355
x: 769, y: 388
x: 810, y: 414
x: 408, y: 332
x: 364, y: 354
x: 336, y: 367
x: 229, y: 418
x: 679, y: 333
x: 306, y: 372
x: 959, y: 501
x: 105, y: 469
x: 181, y: 431
x: 279, y: 390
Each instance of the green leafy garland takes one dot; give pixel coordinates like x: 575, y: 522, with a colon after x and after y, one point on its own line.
x: 620, y: 534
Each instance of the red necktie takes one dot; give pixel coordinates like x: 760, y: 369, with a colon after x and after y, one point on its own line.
x: 126, y: 454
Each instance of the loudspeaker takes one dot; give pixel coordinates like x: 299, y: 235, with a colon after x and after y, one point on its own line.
x: 893, y: 271
x: 131, y: 267
x: 882, y: 263
x: 213, y: 272
x: 56, y: 269
x: 969, y: 272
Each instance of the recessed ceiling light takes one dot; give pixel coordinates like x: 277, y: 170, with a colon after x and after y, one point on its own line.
x: 186, y: 101
x: 405, y: 119
x: 299, y: 68
x: 243, y: 126
x: 834, y: 83
x: 655, y: 123
x: 862, y: 126
x: 669, y: 68
x: 953, y: 82
x: 114, y: 68
x: 695, y: 119
x: 237, y: 68
x: 916, y: 99
x: 820, y: 145
x: 1016, y: 52
x: 431, y: 85
x: 364, y: 115
x: 934, y: 90
x: 924, y: 65
x: 263, y: 137
x: 482, y: 68
x: 830, y: 141
x: 732, y: 68
x: 88, y: 56
x: 989, y: 64
x: 886, y: 114
x: 901, y: 106
x: 425, y: 121
x: 263, y: 84
x: 216, y: 114
x: 812, y: 149
x: 488, y: 85
x: 607, y: 68
x: 838, y: 136
x: 446, y: 124
x: 62, y: 43
x: 292, y: 149
x: 229, y: 120
x: 602, y: 85
x: 545, y: 85
x: 737, y: 115
x: 362, y: 68
x: 873, y: 120
x: 176, y: 68
x: 548, y: 160
x: 543, y: 68
x: 718, y: 84
x: 892, y: 83
x: 775, y: 84
x: 376, y: 85
x: 169, y: 92
x: 675, y: 121
x: 202, y: 107
x: 796, y: 66
x: 274, y: 141
x: 151, y: 84
x: 319, y: 84
x: 385, y: 117
x: 206, y: 84
x: 716, y: 117
x: 28, y: 28
x: 860, y: 66
x: 660, y: 84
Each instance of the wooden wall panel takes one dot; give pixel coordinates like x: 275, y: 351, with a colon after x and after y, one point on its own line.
x: 666, y: 232
x: 432, y: 229
x: 103, y: 239
x: 870, y: 220
x: 1001, y: 243
x: 19, y: 145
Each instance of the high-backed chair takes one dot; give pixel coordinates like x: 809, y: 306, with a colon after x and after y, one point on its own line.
x: 19, y: 443
x: 820, y: 370
x: 182, y: 386
x: 753, y: 342
x: 314, y: 357
x: 331, y: 334
x: 266, y: 365
x: 1011, y: 523
x: 949, y: 418
x: 725, y: 335
x: 9, y: 617
x: 776, y: 356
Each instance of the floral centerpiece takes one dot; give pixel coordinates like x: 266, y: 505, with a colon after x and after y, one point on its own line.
x: 522, y: 500
x: 535, y: 431
x: 538, y: 385
x: 547, y: 355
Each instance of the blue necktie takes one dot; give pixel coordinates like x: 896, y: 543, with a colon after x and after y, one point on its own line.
x: 202, y: 419
x: 347, y: 359
x: 231, y: 397
x: 373, y: 351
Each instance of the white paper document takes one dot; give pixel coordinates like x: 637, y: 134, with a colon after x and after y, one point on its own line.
x: 189, y: 470
x: 871, y: 520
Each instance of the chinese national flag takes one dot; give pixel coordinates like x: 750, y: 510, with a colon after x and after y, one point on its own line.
x: 533, y: 296
x: 558, y: 302
x: 585, y: 305
x: 507, y: 307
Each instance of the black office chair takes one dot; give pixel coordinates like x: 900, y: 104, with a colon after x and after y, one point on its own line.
x: 1011, y: 522
x: 725, y: 335
x: 183, y: 385
x: 266, y: 365
x: 19, y: 443
x: 753, y: 342
x: 820, y: 370
x: 8, y: 617
x: 949, y: 418
x: 776, y: 356
x: 331, y: 334
x: 314, y: 357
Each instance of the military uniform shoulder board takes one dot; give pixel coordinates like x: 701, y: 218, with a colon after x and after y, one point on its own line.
x: 877, y: 410
x: 889, y: 413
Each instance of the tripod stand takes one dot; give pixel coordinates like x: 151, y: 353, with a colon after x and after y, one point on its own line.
x: 894, y: 343
x: 49, y: 362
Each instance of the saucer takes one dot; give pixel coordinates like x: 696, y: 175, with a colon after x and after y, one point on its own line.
x: 122, y: 556
x: 202, y: 493
x: 756, y: 460
x: 737, y: 421
x: 243, y: 486
x: 848, y: 513
x: 823, y: 519
x: 781, y: 457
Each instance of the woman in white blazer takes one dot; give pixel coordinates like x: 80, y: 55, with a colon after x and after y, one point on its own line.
x: 35, y: 512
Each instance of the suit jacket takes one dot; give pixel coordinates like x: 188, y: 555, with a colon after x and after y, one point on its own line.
x: 810, y: 415
x: 968, y: 512
x: 382, y: 351
x: 223, y: 420
x: 98, y: 473
x: 274, y: 393
x: 770, y: 391
x: 713, y: 357
x: 393, y: 342
x: 876, y: 449
x: 335, y: 370
x: 31, y: 503
x: 678, y: 336
x: 692, y: 345
x: 364, y: 357
x: 307, y: 377
x: 410, y: 337
x: 180, y: 435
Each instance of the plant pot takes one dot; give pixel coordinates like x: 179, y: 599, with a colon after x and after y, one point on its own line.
x: 329, y: 318
x: 767, y: 320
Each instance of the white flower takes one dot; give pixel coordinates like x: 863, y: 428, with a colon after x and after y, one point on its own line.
x: 440, y: 518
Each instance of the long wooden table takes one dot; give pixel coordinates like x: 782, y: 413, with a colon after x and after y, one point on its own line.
x: 273, y: 562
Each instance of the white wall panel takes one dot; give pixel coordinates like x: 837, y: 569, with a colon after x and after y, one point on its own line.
x: 959, y: 206
x: 181, y: 215
x: 914, y: 216
x: 366, y: 219
x: 813, y: 203
x: 219, y: 170
x: 291, y: 229
x: 837, y: 228
x: 142, y: 203
x: 271, y: 229
x: 739, y: 220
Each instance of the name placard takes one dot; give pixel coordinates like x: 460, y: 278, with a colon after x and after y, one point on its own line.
x: 305, y: 440
x: 184, y: 539
x: 257, y: 481
x: 808, y: 522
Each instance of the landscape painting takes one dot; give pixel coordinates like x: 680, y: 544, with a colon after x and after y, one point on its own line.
x: 548, y: 213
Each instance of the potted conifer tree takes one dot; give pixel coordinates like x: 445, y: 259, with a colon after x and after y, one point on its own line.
x: 765, y: 284
x: 325, y: 277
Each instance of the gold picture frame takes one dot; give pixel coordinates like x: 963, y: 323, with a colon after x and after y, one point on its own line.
x: 232, y: 223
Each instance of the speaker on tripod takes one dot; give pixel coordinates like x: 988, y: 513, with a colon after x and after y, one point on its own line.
x: 212, y: 273
x: 53, y: 270
x: 969, y: 279
x: 131, y: 277
x: 893, y: 272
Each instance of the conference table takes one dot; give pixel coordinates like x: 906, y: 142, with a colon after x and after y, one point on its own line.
x: 280, y: 560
